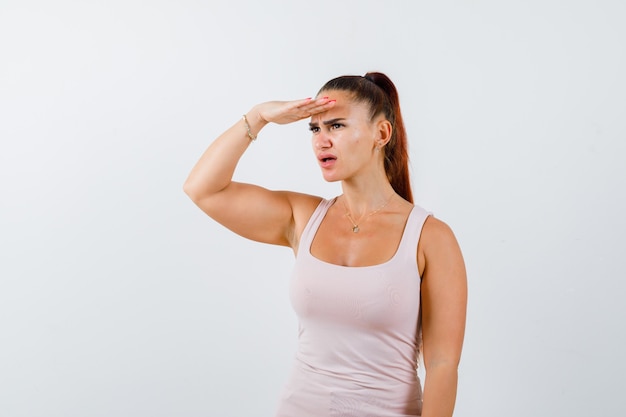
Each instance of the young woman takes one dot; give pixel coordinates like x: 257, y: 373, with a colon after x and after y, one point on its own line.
x: 377, y: 280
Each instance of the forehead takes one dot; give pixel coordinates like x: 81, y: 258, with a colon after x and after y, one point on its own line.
x: 345, y: 107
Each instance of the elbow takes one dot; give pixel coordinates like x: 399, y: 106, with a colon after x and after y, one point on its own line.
x: 201, y: 191
x: 191, y: 190
x: 198, y: 193
x: 187, y: 189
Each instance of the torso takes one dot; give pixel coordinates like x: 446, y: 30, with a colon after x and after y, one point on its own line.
x: 375, y: 243
x: 358, y: 338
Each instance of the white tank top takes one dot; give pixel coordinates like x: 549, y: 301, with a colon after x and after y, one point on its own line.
x: 358, y: 338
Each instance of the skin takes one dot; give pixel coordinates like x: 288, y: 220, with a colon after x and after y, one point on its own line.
x: 343, y: 130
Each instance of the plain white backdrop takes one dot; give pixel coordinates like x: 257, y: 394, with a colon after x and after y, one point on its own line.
x: 118, y: 297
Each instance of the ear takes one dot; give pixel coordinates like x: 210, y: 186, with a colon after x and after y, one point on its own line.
x: 383, y: 132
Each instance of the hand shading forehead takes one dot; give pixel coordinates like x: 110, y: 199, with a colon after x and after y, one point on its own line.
x: 342, y: 97
x: 345, y: 107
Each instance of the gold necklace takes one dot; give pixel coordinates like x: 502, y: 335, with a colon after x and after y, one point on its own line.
x: 355, y: 225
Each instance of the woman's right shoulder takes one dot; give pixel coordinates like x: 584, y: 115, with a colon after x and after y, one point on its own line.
x: 303, y: 206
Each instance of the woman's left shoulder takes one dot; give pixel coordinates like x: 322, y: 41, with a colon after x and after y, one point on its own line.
x: 439, y: 254
x: 437, y: 236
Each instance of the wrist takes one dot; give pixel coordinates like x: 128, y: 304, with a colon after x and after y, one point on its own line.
x: 253, y: 122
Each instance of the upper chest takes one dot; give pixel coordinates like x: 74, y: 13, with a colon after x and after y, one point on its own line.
x: 377, y: 241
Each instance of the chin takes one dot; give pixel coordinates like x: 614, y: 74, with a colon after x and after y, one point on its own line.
x: 330, y: 177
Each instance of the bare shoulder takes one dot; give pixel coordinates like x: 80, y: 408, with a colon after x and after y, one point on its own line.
x: 303, y: 206
x: 438, y: 248
x: 301, y: 199
x: 437, y: 234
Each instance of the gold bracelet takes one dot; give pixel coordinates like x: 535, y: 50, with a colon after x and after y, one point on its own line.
x: 250, y: 135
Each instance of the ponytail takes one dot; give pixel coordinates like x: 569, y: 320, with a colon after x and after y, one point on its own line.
x: 380, y: 93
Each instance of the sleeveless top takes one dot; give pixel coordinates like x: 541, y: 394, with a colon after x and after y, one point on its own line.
x: 359, y: 332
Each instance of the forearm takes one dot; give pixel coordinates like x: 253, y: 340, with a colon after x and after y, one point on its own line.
x: 214, y: 170
x: 440, y: 391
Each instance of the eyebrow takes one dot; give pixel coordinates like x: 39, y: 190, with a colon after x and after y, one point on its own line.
x: 328, y: 122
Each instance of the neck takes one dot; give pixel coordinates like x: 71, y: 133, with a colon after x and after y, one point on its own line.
x: 362, y: 197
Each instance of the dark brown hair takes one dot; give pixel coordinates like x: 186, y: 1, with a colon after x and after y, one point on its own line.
x: 377, y: 90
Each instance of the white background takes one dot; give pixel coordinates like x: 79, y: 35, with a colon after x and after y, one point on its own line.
x: 118, y: 297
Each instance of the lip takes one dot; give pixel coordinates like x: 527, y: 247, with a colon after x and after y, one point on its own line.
x: 326, y: 160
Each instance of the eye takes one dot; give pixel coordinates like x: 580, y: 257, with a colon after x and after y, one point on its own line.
x: 336, y: 126
x: 314, y: 129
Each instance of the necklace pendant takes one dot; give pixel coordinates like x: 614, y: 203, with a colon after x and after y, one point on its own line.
x: 355, y: 229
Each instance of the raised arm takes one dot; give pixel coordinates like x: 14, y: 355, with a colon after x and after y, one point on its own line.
x: 444, y: 300
x: 249, y: 210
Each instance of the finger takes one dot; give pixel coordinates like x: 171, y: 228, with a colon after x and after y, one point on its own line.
x: 300, y: 107
x: 298, y: 104
x: 314, y: 103
x: 319, y: 106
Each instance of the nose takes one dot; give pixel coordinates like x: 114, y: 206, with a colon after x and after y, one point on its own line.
x: 321, y: 141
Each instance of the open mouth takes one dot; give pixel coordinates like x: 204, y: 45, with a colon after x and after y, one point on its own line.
x: 324, y: 158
